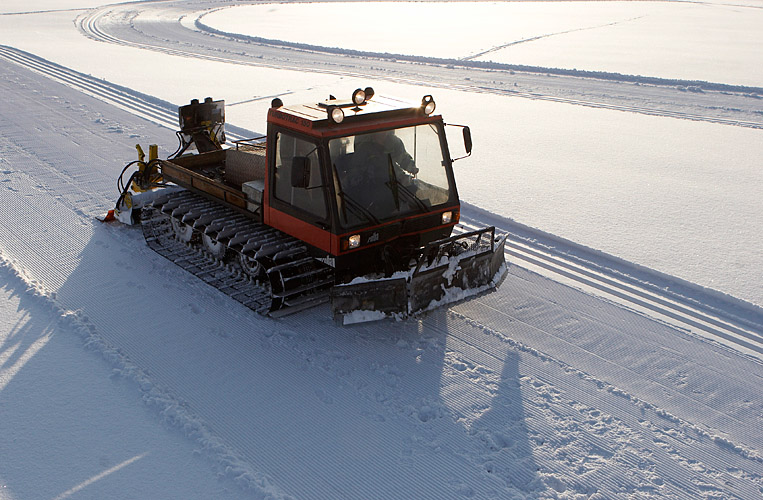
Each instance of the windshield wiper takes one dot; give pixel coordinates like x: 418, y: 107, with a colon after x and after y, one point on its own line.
x: 356, y: 207
x: 396, y: 186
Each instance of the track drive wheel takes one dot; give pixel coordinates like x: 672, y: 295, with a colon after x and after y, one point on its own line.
x: 183, y: 231
x: 213, y: 247
x: 252, y: 267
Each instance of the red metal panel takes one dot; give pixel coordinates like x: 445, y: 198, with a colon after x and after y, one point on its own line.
x: 335, y: 242
x: 351, y: 127
x: 289, y: 120
x: 312, y: 235
x: 453, y: 208
x: 323, y: 128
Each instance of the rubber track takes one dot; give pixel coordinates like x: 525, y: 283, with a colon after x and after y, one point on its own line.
x: 241, y: 236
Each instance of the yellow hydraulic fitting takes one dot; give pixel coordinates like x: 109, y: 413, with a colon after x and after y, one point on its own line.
x: 127, y: 201
x: 147, y: 178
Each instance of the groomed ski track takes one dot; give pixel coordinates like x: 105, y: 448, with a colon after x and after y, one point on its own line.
x: 537, y: 390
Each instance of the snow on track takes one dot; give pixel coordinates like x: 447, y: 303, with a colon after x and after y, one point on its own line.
x: 537, y: 390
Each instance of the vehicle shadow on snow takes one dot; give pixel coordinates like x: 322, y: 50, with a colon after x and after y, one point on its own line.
x: 465, y: 399
x: 52, y: 432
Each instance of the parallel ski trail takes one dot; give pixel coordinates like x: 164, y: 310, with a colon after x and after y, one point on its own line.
x: 623, y: 289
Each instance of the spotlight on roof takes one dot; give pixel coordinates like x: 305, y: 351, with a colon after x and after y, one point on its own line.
x: 427, y: 102
x: 335, y: 114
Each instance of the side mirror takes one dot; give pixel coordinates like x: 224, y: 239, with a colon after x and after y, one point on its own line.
x: 300, y: 172
x: 468, y: 140
x: 467, y: 133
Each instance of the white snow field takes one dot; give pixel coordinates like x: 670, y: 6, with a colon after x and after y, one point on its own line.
x: 620, y: 358
x: 708, y: 41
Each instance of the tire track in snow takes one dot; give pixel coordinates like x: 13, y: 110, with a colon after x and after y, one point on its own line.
x: 638, y: 421
x: 151, y: 109
x: 548, y: 35
x: 93, y: 87
x: 673, y: 309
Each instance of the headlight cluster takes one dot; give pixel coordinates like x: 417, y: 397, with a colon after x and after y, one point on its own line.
x: 335, y: 111
x: 359, y: 98
x: 450, y: 217
x: 353, y: 241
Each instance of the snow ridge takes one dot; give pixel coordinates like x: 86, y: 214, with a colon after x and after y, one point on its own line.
x: 173, y: 411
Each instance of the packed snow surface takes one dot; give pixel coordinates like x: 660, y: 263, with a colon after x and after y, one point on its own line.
x: 584, y: 376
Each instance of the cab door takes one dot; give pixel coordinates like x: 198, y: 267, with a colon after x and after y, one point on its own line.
x: 297, y: 190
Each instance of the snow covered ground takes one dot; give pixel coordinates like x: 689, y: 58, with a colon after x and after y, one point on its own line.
x: 711, y: 41
x: 72, y: 426
x: 538, y: 390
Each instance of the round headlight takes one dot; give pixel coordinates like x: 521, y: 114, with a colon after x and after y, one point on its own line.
x: 354, y: 241
x: 336, y: 114
x: 428, y: 104
x: 359, y: 97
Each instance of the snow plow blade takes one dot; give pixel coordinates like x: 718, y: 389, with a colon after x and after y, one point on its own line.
x: 447, y: 271
x: 369, y: 300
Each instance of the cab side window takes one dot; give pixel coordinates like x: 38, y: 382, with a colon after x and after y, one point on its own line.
x: 309, y: 198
